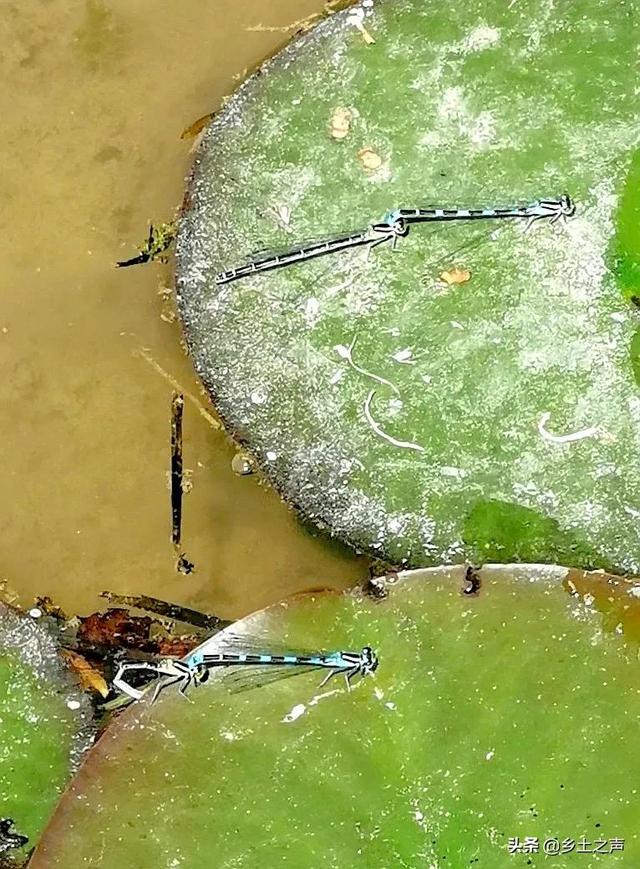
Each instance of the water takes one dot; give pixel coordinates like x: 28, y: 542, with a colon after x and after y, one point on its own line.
x: 94, y: 98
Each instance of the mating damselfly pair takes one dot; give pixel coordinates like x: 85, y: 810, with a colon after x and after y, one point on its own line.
x: 396, y: 224
x: 244, y: 664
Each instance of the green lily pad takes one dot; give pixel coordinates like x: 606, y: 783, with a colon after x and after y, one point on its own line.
x: 516, y: 387
x: 46, y: 724
x: 510, y: 713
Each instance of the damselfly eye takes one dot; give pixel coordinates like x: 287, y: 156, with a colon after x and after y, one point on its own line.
x: 400, y: 226
x: 369, y: 659
x: 202, y: 674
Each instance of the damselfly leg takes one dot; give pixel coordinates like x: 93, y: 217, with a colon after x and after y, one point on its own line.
x: 329, y: 675
x: 175, y: 670
x: 552, y: 209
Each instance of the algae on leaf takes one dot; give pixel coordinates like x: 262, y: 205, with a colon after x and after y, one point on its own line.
x: 626, y: 244
x: 505, y: 715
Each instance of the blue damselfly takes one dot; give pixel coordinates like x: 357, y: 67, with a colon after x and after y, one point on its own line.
x: 395, y: 225
x: 539, y: 209
x: 244, y: 667
x: 374, y: 235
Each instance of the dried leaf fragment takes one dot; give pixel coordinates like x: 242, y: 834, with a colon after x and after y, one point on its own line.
x: 114, y: 629
x: 340, y: 123
x: 196, y: 127
x: 369, y: 159
x: 455, y: 276
x: 88, y: 676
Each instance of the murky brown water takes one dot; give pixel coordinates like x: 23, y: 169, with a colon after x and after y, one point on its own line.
x: 95, y: 95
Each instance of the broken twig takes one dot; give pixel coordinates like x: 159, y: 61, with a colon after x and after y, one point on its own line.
x: 183, y: 565
x: 169, y: 610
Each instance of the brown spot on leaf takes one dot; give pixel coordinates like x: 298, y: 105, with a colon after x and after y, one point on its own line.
x: 455, y: 276
x: 369, y: 159
x: 340, y: 123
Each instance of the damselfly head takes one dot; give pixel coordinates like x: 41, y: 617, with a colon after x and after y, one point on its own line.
x: 200, y: 674
x: 391, y: 228
x: 369, y: 661
x: 567, y: 205
x: 400, y: 227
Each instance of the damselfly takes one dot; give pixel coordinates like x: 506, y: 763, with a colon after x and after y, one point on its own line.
x: 244, y: 667
x: 540, y: 209
x: 374, y: 235
x: 395, y: 225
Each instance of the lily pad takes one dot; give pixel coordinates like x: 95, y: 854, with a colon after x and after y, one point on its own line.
x: 46, y: 724
x: 470, y: 734
x: 514, y: 388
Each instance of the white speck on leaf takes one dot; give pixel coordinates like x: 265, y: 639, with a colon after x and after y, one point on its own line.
x: 404, y: 356
x: 311, y: 310
x: 567, y: 438
x: 258, y: 396
x: 448, y: 471
x: 295, y: 713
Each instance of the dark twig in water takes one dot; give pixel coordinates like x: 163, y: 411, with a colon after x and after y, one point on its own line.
x: 169, y: 610
x: 183, y: 565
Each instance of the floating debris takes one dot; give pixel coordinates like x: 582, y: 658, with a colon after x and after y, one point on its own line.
x: 213, y: 422
x: 172, y: 611
x: 198, y: 126
x: 115, y: 629
x: 159, y: 240
x: 243, y: 465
